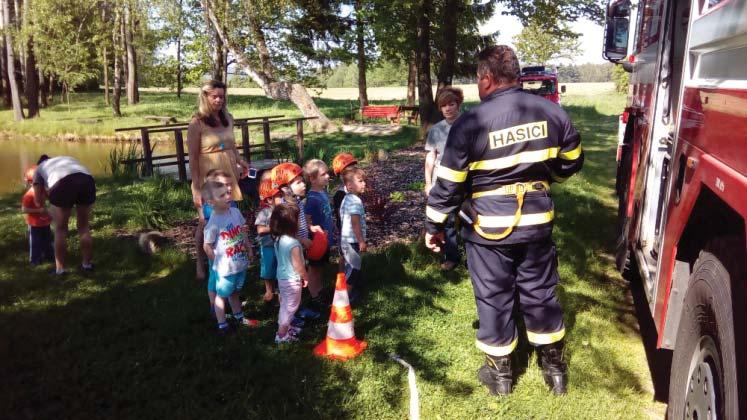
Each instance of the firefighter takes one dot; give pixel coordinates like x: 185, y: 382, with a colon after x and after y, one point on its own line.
x: 499, y: 161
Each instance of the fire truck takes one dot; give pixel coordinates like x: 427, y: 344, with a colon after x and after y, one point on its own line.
x: 539, y: 81
x: 682, y: 189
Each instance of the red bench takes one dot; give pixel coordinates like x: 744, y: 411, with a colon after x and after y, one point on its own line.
x: 390, y: 112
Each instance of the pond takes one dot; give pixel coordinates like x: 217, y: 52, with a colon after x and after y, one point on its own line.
x: 17, y: 155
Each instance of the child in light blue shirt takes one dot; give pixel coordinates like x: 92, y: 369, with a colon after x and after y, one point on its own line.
x: 291, y: 270
x: 353, y: 230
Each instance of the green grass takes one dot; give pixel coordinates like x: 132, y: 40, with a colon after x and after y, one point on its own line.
x: 61, y: 119
x: 135, y: 340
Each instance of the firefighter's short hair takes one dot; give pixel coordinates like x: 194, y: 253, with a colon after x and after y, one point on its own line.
x: 500, y: 61
x: 448, y: 95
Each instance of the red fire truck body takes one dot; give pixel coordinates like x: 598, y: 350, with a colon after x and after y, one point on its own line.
x: 539, y: 81
x: 682, y: 188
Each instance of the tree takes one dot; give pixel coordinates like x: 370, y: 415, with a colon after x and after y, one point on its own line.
x: 620, y: 77
x: 360, y: 44
x: 258, y: 62
x: 538, y: 45
x: 11, y: 60
x: 128, y: 25
x: 32, y: 72
x: 427, y: 109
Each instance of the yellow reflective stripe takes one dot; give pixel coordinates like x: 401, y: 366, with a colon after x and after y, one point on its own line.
x: 507, y: 221
x: 435, y: 215
x: 511, y: 189
x: 496, y: 350
x: 451, y: 174
x: 572, y: 154
x: 513, y: 160
x: 545, y: 338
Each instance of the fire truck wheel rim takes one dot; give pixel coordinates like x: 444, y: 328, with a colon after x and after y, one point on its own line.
x: 703, y: 386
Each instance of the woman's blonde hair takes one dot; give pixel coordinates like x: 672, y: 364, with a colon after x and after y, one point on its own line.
x: 204, y: 111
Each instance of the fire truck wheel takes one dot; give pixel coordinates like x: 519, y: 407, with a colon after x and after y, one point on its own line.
x: 703, y: 380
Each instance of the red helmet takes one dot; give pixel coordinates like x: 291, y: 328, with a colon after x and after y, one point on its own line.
x: 319, y: 245
x: 266, y: 190
x: 342, y: 161
x: 284, y: 173
x: 30, y: 173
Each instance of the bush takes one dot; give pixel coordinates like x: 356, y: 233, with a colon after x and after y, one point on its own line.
x: 620, y: 77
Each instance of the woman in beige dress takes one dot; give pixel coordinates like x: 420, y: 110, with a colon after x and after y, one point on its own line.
x: 212, y: 146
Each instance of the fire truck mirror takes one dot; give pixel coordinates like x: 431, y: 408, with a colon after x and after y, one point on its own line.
x: 616, y: 47
x: 562, y: 88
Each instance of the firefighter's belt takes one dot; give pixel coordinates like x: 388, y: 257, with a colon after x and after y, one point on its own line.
x: 519, y: 189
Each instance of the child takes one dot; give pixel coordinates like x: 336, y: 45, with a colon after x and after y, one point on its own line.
x: 353, y: 231
x: 288, y: 178
x: 38, y: 220
x: 269, y: 197
x: 226, y: 246
x: 291, y: 269
x: 341, y: 162
x: 318, y: 209
x: 222, y: 177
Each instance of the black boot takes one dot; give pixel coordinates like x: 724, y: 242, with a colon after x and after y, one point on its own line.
x: 496, y: 374
x: 554, y: 368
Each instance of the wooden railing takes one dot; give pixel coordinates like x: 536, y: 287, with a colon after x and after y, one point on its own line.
x: 239, y: 123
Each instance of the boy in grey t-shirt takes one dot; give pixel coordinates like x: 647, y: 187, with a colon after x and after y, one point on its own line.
x: 449, y: 101
x: 353, y: 231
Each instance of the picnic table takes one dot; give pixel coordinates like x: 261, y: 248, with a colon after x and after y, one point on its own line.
x: 393, y: 113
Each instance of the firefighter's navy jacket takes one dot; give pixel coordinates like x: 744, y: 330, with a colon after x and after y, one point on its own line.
x: 510, y: 137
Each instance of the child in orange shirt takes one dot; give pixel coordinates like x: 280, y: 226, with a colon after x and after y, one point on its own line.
x: 40, y: 233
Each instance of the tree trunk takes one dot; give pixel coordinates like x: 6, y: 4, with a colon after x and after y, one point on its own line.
x: 446, y: 70
x: 132, y: 91
x: 427, y: 110
x: 7, y: 98
x: 44, y: 91
x: 117, y: 87
x: 179, y: 53
x: 106, y: 77
x: 32, y: 81
x: 13, y: 83
x: 361, y: 45
x: 412, y: 74
x: 278, y: 90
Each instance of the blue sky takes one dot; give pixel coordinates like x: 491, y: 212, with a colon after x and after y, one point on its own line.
x: 591, y: 35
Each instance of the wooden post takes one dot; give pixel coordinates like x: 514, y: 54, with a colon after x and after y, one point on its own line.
x: 147, y: 152
x: 266, y: 133
x: 245, y: 142
x: 299, y: 141
x: 181, y: 164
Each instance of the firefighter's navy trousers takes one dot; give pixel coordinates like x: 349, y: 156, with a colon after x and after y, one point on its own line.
x: 527, y: 272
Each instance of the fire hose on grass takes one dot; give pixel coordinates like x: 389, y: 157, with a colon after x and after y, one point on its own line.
x: 412, y: 385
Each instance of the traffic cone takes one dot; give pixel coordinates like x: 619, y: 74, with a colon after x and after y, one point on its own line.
x: 340, y: 343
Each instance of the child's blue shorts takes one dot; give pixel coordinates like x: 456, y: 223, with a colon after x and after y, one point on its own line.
x: 212, y: 278
x: 228, y: 285
x: 268, y: 263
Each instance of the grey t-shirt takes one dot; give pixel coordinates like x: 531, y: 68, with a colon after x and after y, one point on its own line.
x: 263, y: 219
x: 54, y: 169
x: 436, y: 140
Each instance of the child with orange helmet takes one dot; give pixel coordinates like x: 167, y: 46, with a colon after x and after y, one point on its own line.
x: 340, y: 162
x: 288, y: 178
x: 38, y: 221
x: 269, y: 197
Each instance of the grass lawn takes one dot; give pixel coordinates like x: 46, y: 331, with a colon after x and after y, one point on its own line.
x: 135, y: 339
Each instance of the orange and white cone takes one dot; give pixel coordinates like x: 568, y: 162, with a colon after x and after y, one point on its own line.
x: 340, y: 343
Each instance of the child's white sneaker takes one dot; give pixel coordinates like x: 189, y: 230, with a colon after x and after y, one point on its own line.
x: 287, y: 338
x: 294, y: 330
